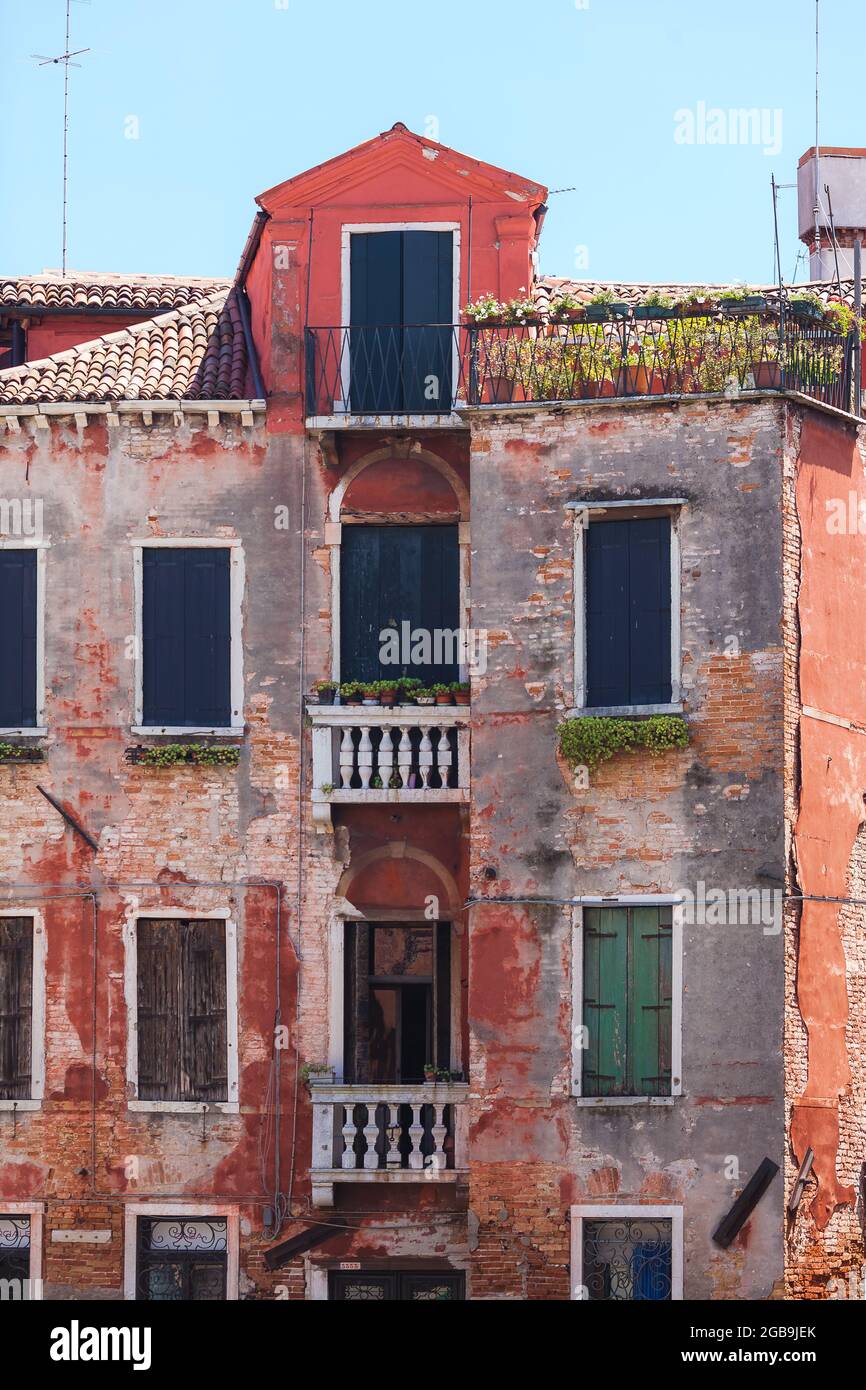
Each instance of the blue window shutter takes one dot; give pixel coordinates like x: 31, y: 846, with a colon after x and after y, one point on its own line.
x: 187, y: 637
x: 628, y: 612
x: 650, y: 611
x: 607, y: 613
x: 18, y: 639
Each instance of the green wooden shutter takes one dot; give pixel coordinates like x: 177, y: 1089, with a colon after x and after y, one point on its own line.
x: 650, y: 1001
x: 605, y: 1013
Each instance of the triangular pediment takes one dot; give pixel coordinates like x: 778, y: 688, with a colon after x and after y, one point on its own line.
x: 422, y: 169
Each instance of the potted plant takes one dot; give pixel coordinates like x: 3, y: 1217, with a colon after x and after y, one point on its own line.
x: 696, y: 303
x: 485, y: 311
x: 632, y: 378
x: 369, y: 692
x: 325, y: 691
x: 521, y: 310
x: 317, y: 1071
x: 441, y: 693
x: 424, y: 696
x: 387, y: 691
x: 842, y: 319
x: 460, y: 691
x: 655, y: 306
x: 742, y: 300
x: 566, y: 308
x: 350, y: 692
x: 603, y: 306
x: 807, y: 307
x: 408, y: 687
x: 429, y: 1072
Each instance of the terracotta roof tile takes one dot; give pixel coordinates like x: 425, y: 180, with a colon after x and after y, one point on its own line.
x: 197, y: 352
x: 105, y: 293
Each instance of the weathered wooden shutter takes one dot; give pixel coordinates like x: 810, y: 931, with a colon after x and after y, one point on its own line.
x: 204, y: 1009
x: 628, y: 612
x: 375, y: 317
x: 605, y: 1014
x: 390, y: 575
x: 159, y: 987
x: 442, y: 1021
x: 651, y: 994
x: 187, y: 637
x: 182, y: 1040
x: 16, y: 1007
x: 17, y: 639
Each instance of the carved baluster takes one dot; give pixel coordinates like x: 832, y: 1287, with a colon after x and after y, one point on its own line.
x: 425, y: 758
x: 443, y: 757
x: 416, y: 1134
x: 371, y: 1134
x: 386, y: 758
x: 439, y: 1131
x: 348, y: 1158
x: 365, y: 757
x: 392, y: 1130
x: 404, y: 757
x: 347, y: 758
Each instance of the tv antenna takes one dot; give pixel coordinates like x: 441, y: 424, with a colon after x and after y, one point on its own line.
x: 65, y: 58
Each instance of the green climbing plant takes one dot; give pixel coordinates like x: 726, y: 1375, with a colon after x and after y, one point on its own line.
x: 588, y: 742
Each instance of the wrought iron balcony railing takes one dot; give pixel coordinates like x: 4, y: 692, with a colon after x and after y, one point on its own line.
x: 387, y: 1133
x: 431, y: 369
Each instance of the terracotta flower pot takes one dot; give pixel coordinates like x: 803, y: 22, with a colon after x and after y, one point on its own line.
x: 461, y: 697
x: 444, y: 698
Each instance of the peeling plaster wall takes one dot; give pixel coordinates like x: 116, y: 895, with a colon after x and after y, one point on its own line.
x: 652, y: 824
x: 826, y: 755
x: 85, y: 1150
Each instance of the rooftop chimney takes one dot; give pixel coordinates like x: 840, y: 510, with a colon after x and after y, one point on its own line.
x: 844, y: 170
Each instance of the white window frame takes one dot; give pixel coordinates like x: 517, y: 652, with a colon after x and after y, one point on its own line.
x: 613, y: 1212
x: 231, y: 1106
x: 37, y: 1012
x: 349, y: 229
x: 41, y: 547
x: 237, y: 579
x: 663, y: 506
x: 577, y: 924
x: 36, y: 1212
x: 189, y: 1211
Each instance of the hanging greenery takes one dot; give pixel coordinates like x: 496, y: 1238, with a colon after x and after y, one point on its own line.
x: 588, y: 742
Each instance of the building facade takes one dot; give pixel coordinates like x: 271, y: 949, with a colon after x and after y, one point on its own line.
x: 543, y: 984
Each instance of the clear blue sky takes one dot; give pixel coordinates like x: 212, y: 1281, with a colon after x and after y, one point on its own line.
x: 232, y: 96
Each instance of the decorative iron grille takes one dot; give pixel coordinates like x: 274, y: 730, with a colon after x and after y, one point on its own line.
x: 181, y: 1260
x: 432, y: 369
x: 627, y: 1260
x: 14, y: 1254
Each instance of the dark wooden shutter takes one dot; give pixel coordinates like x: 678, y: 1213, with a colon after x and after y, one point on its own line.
x: 159, y: 1014
x: 650, y: 611
x: 390, y: 575
x: 16, y: 1007
x: 375, y: 317
x: 443, y: 994
x: 204, y: 989
x: 628, y: 608
x: 17, y: 639
x: 187, y: 637
x: 427, y: 311
x: 605, y: 1015
x: 182, y: 1038
x: 607, y: 613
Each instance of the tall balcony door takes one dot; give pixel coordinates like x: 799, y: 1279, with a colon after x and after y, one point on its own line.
x: 397, y: 1000
x: 404, y: 580
x: 401, y: 309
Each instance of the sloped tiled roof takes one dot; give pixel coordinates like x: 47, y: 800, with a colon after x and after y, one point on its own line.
x: 197, y: 352
x: 547, y: 287
x: 105, y: 293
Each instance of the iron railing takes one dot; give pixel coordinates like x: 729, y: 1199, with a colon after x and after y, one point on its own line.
x: 431, y: 369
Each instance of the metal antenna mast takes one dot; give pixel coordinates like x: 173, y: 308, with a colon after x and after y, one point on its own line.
x: 66, y: 59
